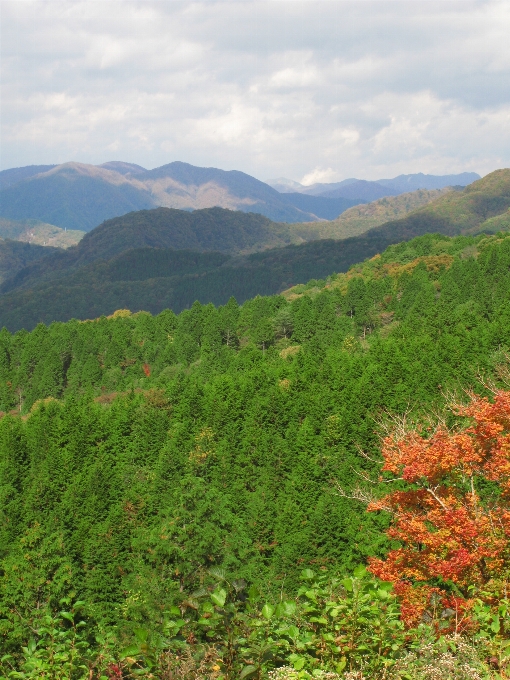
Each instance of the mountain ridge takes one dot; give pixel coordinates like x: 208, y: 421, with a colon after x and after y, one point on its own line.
x: 399, y: 184
x: 80, y: 196
x: 78, y: 282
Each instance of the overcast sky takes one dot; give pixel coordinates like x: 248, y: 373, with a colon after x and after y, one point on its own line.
x: 313, y: 91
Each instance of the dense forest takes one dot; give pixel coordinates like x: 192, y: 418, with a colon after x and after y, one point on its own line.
x: 171, y: 481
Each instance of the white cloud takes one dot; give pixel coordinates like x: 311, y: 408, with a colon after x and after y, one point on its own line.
x: 318, y: 90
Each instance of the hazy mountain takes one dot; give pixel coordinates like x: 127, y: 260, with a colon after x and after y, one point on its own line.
x: 284, y: 185
x: 360, y: 191
x: 80, y: 196
x: 397, y: 185
x: 39, y: 233
x: 73, y: 196
x: 404, y: 183
x: 325, y: 208
x: 123, y: 168
x: 15, y: 175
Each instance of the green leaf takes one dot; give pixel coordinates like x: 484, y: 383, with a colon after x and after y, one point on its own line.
x: 289, y: 608
x: 293, y: 632
x: 386, y: 585
x: 132, y: 650
x: 347, y: 584
x: 68, y: 616
x: 360, y: 571
x: 340, y: 666
x: 247, y: 671
x: 218, y: 573
x: 299, y: 663
x: 267, y: 611
x: 307, y: 574
x: 141, y: 634
x: 219, y: 596
x: 253, y: 594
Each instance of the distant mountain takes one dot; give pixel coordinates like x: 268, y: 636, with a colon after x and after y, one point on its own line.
x: 397, y: 185
x: 15, y: 175
x: 73, y: 196
x: 320, y: 206
x: 285, y: 186
x: 39, y: 233
x: 360, y: 191
x: 404, y: 183
x: 80, y: 196
x: 79, y: 283
x: 123, y: 168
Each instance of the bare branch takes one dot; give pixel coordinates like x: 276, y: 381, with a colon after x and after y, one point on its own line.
x: 366, y: 478
x: 433, y: 494
x: 365, y: 455
x: 359, y: 494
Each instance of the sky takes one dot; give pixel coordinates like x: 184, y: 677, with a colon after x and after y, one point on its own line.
x: 314, y: 91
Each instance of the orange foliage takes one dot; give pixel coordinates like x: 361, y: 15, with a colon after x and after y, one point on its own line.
x: 449, y: 532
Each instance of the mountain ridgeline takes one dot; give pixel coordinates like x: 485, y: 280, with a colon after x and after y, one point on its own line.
x: 78, y: 196
x: 134, y: 261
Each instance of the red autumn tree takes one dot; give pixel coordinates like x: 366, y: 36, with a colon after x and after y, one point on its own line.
x: 453, y: 518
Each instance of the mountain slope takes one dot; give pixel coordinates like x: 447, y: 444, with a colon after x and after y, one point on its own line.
x: 15, y: 256
x: 467, y: 211
x: 73, y: 195
x: 363, y: 217
x: 80, y: 196
x: 15, y: 175
x: 39, y: 233
x: 215, y: 229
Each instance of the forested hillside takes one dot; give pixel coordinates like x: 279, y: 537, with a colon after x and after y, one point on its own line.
x: 361, y: 218
x: 39, y: 233
x: 16, y: 255
x: 141, y: 272
x: 145, y: 459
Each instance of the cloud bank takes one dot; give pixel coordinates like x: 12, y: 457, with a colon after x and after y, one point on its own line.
x: 315, y: 91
